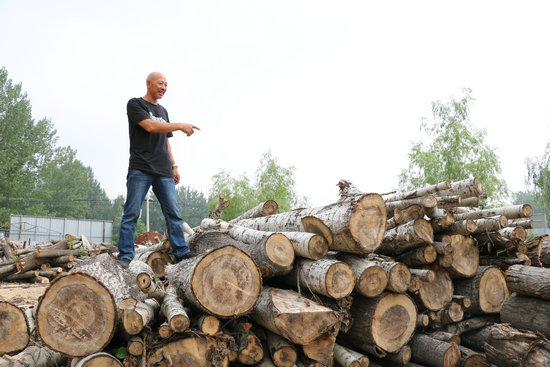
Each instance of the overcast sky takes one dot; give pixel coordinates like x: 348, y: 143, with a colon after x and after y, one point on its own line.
x: 336, y: 89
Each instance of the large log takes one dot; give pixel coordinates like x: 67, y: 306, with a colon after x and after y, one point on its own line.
x: 77, y: 315
x: 402, y: 216
x: 487, y: 290
x: 470, y: 187
x: 329, y: 277
x: 34, y: 356
x: 268, y: 207
x: 274, y: 254
x: 97, y: 359
x: 529, y: 280
x: 432, y: 352
x: 196, y: 351
x: 321, y: 349
x: 404, y: 237
x: 510, y: 212
x: 292, y: 316
x: 436, y: 294
x: 157, y: 260
x: 506, y: 346
x: 529, y: 313
x: 371, y: 278
x: 387, y: 322
x: 426, y: 190
x: 355, y: 226
x: 224, y: 282
x: 465, y: 256
x: 14, y: 330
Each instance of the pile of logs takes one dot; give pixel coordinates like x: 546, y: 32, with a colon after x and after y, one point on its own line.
x: 421, y: 278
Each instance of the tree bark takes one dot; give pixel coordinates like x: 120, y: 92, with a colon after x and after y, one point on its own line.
x: 402, y: 216
x: 220, y: 207
x: 426, y: 190
x: 470, y: 358
x: 266, y: 208
x: 97, y: 359
x: 355, y: 226
x: 433, y: 352
x: 157, y: 260
x: 473, y: 323
x: 387, y: 321
x: 424, y: 255
x: 487, y: 290
x: 136, y: 314
x: 346, y: 357
x: 321, y: 349
x: 173, y: 311
x: 465, y: 256
x: 196, y: 351
x: 224, y: 282
x: 528, y: 313
x: 529, y: 280
x: 426, y: 202
x: 283, y: 353
x: 292, y: 316
x: 470, y: 187
x: 510, y: 212
x: 34, y: 356
x: 274, y: 255
x: 371, y: 278
x: 405, y: 237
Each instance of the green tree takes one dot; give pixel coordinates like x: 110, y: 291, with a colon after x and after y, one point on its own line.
x: 456, y: 151
x: 25, y: 146
x: 528, y: 197
x: 538, y: 175
x: 272, y: 182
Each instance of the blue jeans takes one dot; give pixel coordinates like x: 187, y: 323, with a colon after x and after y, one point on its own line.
x: 137, y: 185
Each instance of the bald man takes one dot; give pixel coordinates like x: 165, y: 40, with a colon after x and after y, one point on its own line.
x: 152, y: 164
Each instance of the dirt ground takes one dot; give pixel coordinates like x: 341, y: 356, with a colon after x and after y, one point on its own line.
x: 21, y: 294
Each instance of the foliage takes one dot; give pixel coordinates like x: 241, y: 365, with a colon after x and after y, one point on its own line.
x: 456, y: 151
x: 272, y: 182
x: 528, y: 197
x: 538, y: 175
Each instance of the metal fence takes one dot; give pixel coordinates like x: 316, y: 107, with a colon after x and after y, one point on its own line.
x: 35, y: 229
x: 540, y: 224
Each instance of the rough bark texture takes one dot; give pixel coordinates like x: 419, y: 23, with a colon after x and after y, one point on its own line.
x: 528, y: 313
x: 435, y: 353
x: 283, y: 353
x: 426, y: 254
x: 465, y: 256
x: 371, y: 278
x: 321, y: 349
x: 269, y: 207
x: 173, y: 311
x: 529, y: 280
x: 426, y: 190
x: 405, y: 237
x: 136, y: 315
x: 100, y: 359
x: 436, y: 294
x: 196, y: 351
x: 487, y: 290
x: 224, y: 282
x: 34, y: 356
x: 346, y: 357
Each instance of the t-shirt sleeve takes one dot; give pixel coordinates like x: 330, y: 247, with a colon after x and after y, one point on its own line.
x: 136, y: 111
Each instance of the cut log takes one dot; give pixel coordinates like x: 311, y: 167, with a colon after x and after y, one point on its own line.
x: 196, y: 351
x: 100, y: 359
x: 283, y: 353
x: 473, y: 323
x: 165, y: 331
x: 405, y: 237
x: 514, y: 233
x: 452, y: 312
x: 387, y: 322
x: 402, y: 216
x: 269, y: 207
x: 487, y: 290
x: 442, y: 221
x: 14, y: 330
x: 491, y: 224
x: 220, y: 207
x: 426, y: 202
x: 470, y: 187
x: 447, y: 202
x: 331, y: 278
x: 402, y: 357
x: 435, y: 353
x: 465, y: 256
x: 355, y: 226
x: 436, y: 294
x: 534, y: 250
x: 399, y: 276
x: 151, y: 287
x: 321, y: 349
x: 528, y: 313
x: 157, y: 260
x: 136, y: 314
x: 501, y: 262
x: 250, y: 350
x: 274, y: 255
x: 425, y: 275
x: 470, y: 358
x: 510, y: 212
x: 463, y: 227
x: 426, y: 190
x: 208, y: 324
x: 371, y: 278
x: 506, y: 346
x: 77, y: 315
x: 292, y: 316
x: 173, y: 311
x: 346, y: 357
x: 424, y: 255
x: 224, y: 282
x: 521, y: 222
x: 308, y: 245
x: 34, y: 356
x: 529, y: 280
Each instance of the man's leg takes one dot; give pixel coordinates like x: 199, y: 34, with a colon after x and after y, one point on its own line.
x: 165, y: 191
x: 137, y: 185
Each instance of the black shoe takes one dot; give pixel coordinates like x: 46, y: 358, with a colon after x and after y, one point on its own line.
x: 187, y: 255
x: 125, y: 263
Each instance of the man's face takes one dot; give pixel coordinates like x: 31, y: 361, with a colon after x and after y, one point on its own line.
x: 157, y: 85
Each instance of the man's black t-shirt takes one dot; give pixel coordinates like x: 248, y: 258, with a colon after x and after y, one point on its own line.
x: 148, y: 151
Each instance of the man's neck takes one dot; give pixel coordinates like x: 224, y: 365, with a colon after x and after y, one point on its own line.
x: 150, y: 99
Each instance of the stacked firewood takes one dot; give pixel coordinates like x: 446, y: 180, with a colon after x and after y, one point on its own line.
x: 379, y: 280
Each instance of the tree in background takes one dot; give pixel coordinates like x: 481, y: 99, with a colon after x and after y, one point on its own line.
x: 529, y: 197
x: 456, y: 151
x: 272, y: 182
x: 538, y: 175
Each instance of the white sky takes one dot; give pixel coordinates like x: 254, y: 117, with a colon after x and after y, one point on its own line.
x: 336, y: 89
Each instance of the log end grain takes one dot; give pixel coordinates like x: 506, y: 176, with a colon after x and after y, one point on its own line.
x: 423, y: 230
x: 317, y: 247
x: 372, y: 281
x: 196, y: 351
x: 340, y: 280
x: 270, y: 207
x: 436, y: 294
x: 14, y: 333
x: 226, y: 282
x: 315, y: 225
x: 285, y: 356
x: 158, y: 261
x: 399, y: 278
x: 393, y: 321
x: 279, y: 250
x: 77, y: 315
x: 209, y: 324
x: 368, y: 222
x: 493, y: 291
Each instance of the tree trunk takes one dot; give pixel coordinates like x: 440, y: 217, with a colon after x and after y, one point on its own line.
x: 151, y: 287
x: 157, y: 260
x: 250, y: 350
x: 136, y: 315
x: 224, y: 282
x: 487, y: 290
x: 346, y: 357
x: 14, y: 330
x: 77, y: 315
x: 274, y: 255
x: 436, y: 294
x: 283, y: 353
x: 529, y: 280
x: 402, y: 216
x: 433, y: 352
x: 308, y: 245
x: 331, y: 278
x: 426, y: 190
x: 196, y: 351
x: 97, y: 359
x: 424, y: 255
x: 206, y: 323
x: 470, y: 187
x: 491, y: 224
x: 136, y: 346
x: 402, y: 357
x: 269, y: 207
x: 508, y: 347
x: 529, y: 313
x: 34, y: 356
x: 173, y: 311
x: 465, y: 256
x: 399, y: 276
x: 510, y: 212
x: 470, y: 324
x: 463, y: 227
x: 292, y: 316
x: 470, y: 358
x: 405, y: 237
x: 371, y: 278
x: 501, y: 262
x: 387, y: 321
x: 355, y: 226
x: 321, y: 349
x: 426, y: 202
x: 447, y: 202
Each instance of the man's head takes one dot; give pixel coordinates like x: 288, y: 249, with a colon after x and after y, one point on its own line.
x: 156, y: 86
